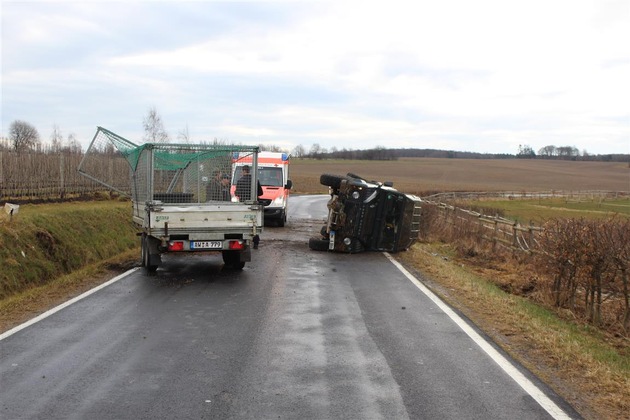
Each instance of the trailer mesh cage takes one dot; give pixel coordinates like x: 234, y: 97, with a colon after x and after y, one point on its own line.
x: 164, y: 172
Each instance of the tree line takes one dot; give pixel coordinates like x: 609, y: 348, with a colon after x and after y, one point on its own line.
x: 23, y: 136
x: 381, y: 153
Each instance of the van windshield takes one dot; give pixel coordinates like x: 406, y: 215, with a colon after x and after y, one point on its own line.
x: 270, y: 177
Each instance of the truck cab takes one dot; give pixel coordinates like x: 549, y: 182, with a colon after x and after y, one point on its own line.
x: 273, y: 176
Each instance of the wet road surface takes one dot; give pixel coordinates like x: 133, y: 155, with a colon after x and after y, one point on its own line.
x: 295, y: 334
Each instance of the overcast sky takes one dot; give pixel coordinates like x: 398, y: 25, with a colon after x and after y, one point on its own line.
x: 481, y: 76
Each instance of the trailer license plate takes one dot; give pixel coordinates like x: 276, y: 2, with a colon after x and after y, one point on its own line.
x: 206, y: 245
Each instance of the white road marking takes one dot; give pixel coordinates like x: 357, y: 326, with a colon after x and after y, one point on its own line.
x: 529, y: 387
x: 64, y: 305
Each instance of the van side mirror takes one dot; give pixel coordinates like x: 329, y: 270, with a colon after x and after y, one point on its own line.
x: 289, y: 184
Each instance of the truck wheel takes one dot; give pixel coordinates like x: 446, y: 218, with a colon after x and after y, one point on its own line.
x: 317, y: 244
x: 332, y: 181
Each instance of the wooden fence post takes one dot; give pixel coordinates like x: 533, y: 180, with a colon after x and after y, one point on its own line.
x: 514, y: 233
x: 480, y: 228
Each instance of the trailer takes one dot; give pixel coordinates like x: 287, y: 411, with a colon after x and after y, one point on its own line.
x: 180, y: 194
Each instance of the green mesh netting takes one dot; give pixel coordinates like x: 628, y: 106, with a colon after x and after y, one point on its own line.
x: 156, y: 168
x: 166, y: 156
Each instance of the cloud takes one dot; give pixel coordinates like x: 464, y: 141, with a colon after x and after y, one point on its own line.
x: 481, y: 76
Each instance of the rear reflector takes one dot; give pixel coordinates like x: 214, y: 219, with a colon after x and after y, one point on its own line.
x: 236, y: 245
x: 176, y: 246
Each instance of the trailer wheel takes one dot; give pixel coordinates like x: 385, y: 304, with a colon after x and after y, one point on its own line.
x: 332, y: 181
x: 233, y: 259
x: 146, y: 255
x: 317, y: 244
x: 143, y: 251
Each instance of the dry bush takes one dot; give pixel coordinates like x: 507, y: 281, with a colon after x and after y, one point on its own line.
x: 429, y: 222
x: 585, y: 266
x: 580, y: 265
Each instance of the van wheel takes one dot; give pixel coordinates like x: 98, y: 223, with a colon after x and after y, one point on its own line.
x: 317, y: 244
x: 282, y: 220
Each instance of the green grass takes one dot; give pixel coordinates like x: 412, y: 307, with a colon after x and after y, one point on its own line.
x: 538, y: 211
x: 45, y: 241
x: 590, y: 342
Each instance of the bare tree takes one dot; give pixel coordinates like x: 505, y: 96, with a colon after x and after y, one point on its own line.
x: 298, y: 151
x: 184, y: 135
x: 271, y: 148
x: 567, y: 151
x: 316, y: 149
x: 56, y: 139
x: 153, y: 128
x: 547, y: 151
x: 525, y: 151
x: 74, y: 146
x: 23, y: 136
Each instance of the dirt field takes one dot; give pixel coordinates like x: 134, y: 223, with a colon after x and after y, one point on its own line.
x: 423, y: 176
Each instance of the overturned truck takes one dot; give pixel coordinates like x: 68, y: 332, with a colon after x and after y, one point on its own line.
x: 180, y: 194
x: 367, y: 216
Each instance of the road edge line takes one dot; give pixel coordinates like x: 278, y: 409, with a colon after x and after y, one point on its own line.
x: 536, y: 393
x: 49, y: 312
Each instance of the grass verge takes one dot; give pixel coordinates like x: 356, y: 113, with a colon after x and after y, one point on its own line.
x: 580, y: 363
x: 31, y: 302
x: 45, y: 241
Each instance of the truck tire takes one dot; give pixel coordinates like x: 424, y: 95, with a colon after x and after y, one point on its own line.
x: 332, y: 181
x: 282, y: 220
x: 317, y: 244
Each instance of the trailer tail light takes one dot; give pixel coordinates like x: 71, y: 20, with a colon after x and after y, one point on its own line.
x: 176, y: 246
x: 236, y: 245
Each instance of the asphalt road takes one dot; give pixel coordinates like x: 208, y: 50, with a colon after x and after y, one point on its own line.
x: 297, y: 334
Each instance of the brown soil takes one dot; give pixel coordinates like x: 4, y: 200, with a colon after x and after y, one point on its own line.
x: 424, y: 176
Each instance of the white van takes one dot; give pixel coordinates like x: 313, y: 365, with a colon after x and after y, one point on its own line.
x: 273, y: 176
